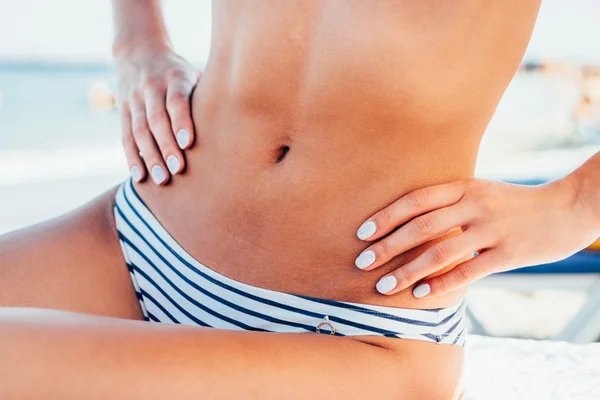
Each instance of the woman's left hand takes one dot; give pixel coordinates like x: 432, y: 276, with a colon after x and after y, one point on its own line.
x: 508, y: 225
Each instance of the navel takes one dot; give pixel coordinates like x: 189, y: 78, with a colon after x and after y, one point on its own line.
x: 283, y: 151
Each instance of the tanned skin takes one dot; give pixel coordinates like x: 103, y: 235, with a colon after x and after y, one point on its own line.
x: 373, y: 99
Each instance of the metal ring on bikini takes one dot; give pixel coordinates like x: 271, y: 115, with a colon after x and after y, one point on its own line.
x: 326, y: 323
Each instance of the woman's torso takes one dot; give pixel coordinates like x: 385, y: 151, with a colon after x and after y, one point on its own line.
x: 373, y: 99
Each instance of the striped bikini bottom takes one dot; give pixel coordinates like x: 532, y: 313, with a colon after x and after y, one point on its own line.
x: 173, y: 287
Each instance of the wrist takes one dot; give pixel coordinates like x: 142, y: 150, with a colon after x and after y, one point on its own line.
x: 127, y: 45
x: 585, y: 197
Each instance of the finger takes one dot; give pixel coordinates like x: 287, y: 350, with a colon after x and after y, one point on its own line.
x: 145, y: 142
x: 134, y: 161
x: 418, y: 231
x: 461, y: 275
x: 435, y: 258
x: 160, y: 126
x: 409, y: 206
x: 179, y: 109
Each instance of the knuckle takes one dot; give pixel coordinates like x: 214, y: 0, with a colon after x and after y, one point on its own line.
x: 150, y: 83
x: 462, y: 186
x: 485, y: 204
x: 156, y: 161
x: 406, y: 275
x: 152, y: 158
x: 135, y: 103
x: 167, y: 146
x: 422, y: 225
x: 505, y: 254
x: 418, y: 198
x: 176, y: 73
x: 127, y: 141
x: 471, y: 183
x: 439, y: 254
x: 384, y: 217
x: 176, y: 98
x: 463, y: 273
x: 139, y: 130
x: 157, y: 117
x: 384, y: 249
x: 440, y: 284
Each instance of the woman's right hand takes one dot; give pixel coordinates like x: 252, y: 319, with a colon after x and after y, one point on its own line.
x: 154, y: 101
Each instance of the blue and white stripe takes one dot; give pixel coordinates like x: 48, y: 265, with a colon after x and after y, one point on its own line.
x: 173, y: 287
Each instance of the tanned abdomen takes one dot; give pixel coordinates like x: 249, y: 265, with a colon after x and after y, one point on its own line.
x: 313, y: 115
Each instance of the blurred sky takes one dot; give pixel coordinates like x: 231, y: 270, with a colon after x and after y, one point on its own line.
x: 82, y: 30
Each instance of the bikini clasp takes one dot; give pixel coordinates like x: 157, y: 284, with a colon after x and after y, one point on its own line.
x: 327, y: 324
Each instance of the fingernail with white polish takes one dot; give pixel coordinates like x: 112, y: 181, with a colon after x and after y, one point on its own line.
x: 173, y: 164
x: 158, y: 174
x: 366, y: 230
x: 365, y: 259
x: 136, y: 173
x: 183, y: 138
x: 386, y: 284
x: 422, y: 290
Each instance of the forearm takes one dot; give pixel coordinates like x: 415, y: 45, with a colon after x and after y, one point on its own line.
x: 138, y: 24
x: 586, y: 182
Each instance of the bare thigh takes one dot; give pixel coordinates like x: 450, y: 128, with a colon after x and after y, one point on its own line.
x: 116, y: 358
x: 73, y: 262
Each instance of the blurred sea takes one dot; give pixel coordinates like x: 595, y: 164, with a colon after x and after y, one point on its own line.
x: 50, y: 102
x: 57, y: 152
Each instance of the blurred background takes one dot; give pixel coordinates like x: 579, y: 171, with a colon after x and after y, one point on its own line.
x: 60, y: 140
